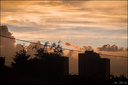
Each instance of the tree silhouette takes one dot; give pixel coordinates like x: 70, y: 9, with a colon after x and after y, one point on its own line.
x: 20, y: 59
x: 57, y: 48
x: 42, y: 53
x: 121, y: 77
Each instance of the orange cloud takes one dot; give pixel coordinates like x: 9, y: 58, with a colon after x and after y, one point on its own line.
x: 67, y: 44
x: 75, y: 47
x: 79, y: 48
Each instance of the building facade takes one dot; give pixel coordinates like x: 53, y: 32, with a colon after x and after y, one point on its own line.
x: 91, y: 65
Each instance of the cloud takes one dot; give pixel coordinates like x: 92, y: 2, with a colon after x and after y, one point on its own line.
x: 84, y: 48
x: 70, y: 53
x: 75, y: 47
x: 108, y: 47
x: 67, y: 44
x: 7, y: 45
x: 30, y: 48
x: 65, y: 14
x: 19, y: 47
x: 47, y: 19
x: 89, y: 48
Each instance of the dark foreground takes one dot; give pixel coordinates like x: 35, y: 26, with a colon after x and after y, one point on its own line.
x: 27, y: 79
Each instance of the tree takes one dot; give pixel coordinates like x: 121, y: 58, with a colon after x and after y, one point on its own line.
x: 57, y: 49
x: 42, y: 53
x: 20, y: 59
x: 121, y: 77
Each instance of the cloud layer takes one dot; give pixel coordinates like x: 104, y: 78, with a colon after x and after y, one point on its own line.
x: 113, y: 48
x: 65, y: 14
x: 65, y: 18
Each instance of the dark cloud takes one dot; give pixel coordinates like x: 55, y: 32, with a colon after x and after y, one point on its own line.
x: 89, y: 48
x: 108, y: 47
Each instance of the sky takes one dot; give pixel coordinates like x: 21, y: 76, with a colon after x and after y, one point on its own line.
x: 99, y: 24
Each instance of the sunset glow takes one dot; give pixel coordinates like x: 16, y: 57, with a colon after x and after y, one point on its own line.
x: 79, y: 23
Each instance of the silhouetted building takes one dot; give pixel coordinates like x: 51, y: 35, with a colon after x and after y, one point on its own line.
x: 4, y: 70
x: 91, y: 65
x: 50, y: 66
x: 2, y: 61
x: 57, y: 65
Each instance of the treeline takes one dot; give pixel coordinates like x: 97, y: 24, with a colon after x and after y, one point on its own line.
x: 42, y: 63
